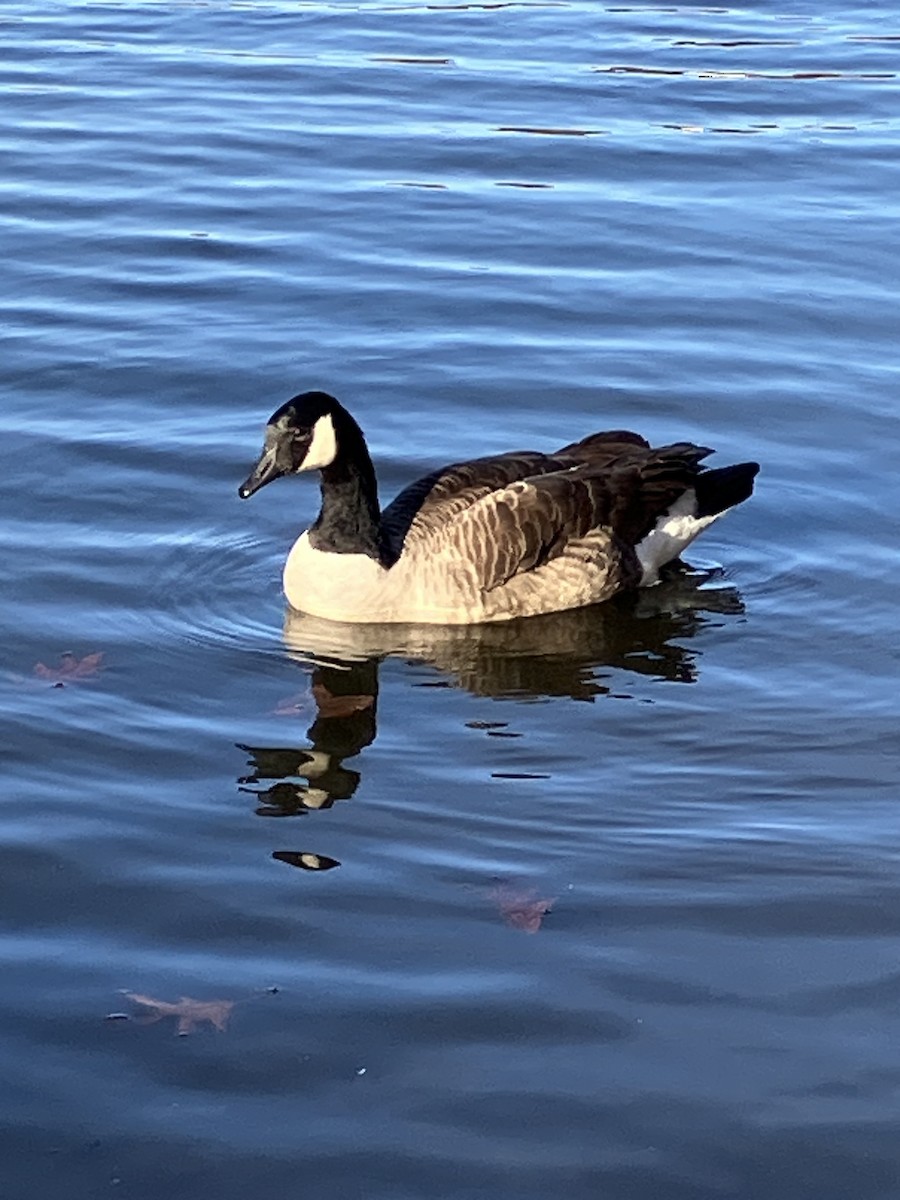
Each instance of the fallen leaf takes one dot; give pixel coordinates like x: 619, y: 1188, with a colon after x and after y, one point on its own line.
x: 189, y: 1012
x: 521, y: 907
x: 70, y: 668
x: 331, y: 705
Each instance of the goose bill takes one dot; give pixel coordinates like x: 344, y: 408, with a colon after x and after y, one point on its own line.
x: 264, y: 472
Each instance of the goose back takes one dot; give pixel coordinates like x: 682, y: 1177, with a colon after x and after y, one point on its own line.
x: 426, y: 505
x: 523, y: 533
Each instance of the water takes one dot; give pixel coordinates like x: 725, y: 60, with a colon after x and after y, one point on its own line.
x: 617, y: 908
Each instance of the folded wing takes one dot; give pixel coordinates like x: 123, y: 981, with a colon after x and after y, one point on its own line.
x: 514, y: 513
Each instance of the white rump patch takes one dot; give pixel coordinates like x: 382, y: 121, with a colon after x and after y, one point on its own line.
x: 323, y: 447
x: 674, y: 532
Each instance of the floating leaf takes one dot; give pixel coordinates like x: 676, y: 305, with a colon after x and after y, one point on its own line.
x: 70, y: 668
x: 189, y: 1012
x: 521, y: 907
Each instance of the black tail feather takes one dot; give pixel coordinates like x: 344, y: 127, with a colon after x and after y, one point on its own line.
x: 723, y: 487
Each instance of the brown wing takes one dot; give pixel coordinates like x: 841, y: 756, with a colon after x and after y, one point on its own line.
x: 521, y: 526
x: 423, y: 508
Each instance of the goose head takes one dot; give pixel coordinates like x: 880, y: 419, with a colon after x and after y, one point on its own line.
x: 303, y: 435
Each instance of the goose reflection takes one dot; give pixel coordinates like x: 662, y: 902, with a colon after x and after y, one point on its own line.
x: 314, y: 777
x: 570, y: 654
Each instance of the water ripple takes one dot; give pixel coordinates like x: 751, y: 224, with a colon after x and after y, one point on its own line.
x: 210, y: 590
x: 614, y: 841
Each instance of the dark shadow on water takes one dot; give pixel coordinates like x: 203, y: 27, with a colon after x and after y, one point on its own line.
x: 572, y: 654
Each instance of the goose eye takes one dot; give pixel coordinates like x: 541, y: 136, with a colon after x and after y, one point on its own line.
x: 299, y: 445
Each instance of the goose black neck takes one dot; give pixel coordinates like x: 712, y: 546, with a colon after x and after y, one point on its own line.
x: 349, y: 521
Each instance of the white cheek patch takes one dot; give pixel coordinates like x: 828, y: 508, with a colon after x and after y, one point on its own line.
x: 323, y: 447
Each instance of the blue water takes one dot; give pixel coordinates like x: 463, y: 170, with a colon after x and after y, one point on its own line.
x: 617, y: 909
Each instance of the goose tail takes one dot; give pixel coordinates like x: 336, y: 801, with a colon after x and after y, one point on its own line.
x: 714, y: 492
x: 721, y: 488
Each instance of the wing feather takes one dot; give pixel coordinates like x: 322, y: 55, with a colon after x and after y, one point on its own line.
x: 423, y: 508
x: 519, y: 528
x: 508, y: 514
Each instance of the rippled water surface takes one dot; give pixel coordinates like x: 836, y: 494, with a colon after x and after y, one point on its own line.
x: 604, y: 905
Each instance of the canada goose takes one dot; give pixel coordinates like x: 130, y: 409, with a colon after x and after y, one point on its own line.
x: 505, y: 536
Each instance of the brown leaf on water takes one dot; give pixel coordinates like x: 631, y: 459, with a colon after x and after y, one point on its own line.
x: 331, y: 705
x: 189, y: 1012
x: 71, y: 668
x: 520, y: 906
